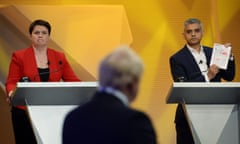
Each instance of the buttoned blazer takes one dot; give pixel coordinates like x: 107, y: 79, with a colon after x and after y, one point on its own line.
x: 23, y: 64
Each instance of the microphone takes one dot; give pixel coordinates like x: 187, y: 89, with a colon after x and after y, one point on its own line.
x: 191, y: 76
x: 180, y: 79
x: 49, y: 72
x: 24, y: 79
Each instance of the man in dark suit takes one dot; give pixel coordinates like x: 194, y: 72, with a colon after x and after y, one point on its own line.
x: 107, y: 117
x: 192, y: 64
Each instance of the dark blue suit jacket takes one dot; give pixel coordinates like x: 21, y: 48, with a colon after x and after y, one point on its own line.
x: 184, y: 65
x: 106, y: 120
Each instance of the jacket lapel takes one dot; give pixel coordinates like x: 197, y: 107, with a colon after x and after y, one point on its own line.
x: 208, y: 55
x: 189, y: 57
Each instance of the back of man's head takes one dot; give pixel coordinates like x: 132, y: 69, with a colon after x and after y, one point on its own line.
x: 120, y: 68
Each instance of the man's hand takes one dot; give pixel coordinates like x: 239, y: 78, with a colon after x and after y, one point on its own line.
x: 212, y: 71
x: 228, y: 45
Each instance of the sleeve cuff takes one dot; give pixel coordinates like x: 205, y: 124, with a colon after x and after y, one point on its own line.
x: 231, y: 58
x: 206, y: 77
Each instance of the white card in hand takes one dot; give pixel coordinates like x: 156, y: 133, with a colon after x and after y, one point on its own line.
x: 220, y: 55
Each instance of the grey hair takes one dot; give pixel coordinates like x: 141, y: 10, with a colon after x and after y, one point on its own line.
x: 193, y: 21
x: 120, y: 67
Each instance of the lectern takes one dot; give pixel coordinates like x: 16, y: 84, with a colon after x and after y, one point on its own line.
x: 48, y: 103
x: 212, y: 110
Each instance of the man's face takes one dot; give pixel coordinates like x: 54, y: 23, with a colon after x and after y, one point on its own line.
x: 193, y: 34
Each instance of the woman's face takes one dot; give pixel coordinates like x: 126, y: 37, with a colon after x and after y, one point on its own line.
x: 39, y: 36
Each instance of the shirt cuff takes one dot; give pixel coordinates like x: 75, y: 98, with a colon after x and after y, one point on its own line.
x: 231, y: 58
x: 206, y: 77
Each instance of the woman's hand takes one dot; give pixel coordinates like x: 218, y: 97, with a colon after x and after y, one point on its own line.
x: 9, y: 97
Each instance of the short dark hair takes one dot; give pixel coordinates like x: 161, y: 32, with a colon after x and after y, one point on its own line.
x: 192, y: 21
x: 41, y: 23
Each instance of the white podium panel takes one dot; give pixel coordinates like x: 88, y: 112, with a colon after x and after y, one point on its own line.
x: 47, y: 122
x: 213, y: 124
x: 212, y: 110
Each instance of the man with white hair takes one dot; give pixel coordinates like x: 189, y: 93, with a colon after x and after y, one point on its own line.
x: 107, y: 117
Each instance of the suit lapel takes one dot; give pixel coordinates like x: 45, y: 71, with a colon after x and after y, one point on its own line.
x: 189, y: 57
x: 107, y: 98
x: 207, y: 54
x: 30, y: 65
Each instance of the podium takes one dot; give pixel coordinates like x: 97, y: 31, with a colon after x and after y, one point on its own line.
x: 212, y: 110
x: 48, y: 104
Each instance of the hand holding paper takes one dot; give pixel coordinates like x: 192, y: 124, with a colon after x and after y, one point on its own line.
x: 220, y: 55
x: 212, y: 71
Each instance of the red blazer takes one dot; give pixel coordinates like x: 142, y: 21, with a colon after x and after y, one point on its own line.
x: 23, y: 63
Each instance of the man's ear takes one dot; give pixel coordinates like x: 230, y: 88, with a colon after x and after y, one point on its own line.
x: 130, y: 91
x: 183, y: 35
x: 129, y: 86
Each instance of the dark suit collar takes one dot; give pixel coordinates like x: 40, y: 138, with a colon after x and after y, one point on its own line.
x: 106, y: 97
x: 116, y: 93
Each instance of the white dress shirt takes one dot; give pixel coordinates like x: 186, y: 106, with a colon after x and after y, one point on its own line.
x: 201, y: 60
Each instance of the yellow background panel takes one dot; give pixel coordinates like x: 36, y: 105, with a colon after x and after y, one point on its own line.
x: 155, y: 29
x: 85, y: 32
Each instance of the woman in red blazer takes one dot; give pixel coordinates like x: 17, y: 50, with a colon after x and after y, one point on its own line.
x: 37, y: 63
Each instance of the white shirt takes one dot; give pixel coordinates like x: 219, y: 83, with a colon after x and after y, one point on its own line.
x: 118, y: 94
x: 201, y: 60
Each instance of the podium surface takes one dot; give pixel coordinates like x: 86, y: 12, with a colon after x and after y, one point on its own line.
x: 204, y: 93
x: 52, y: 93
